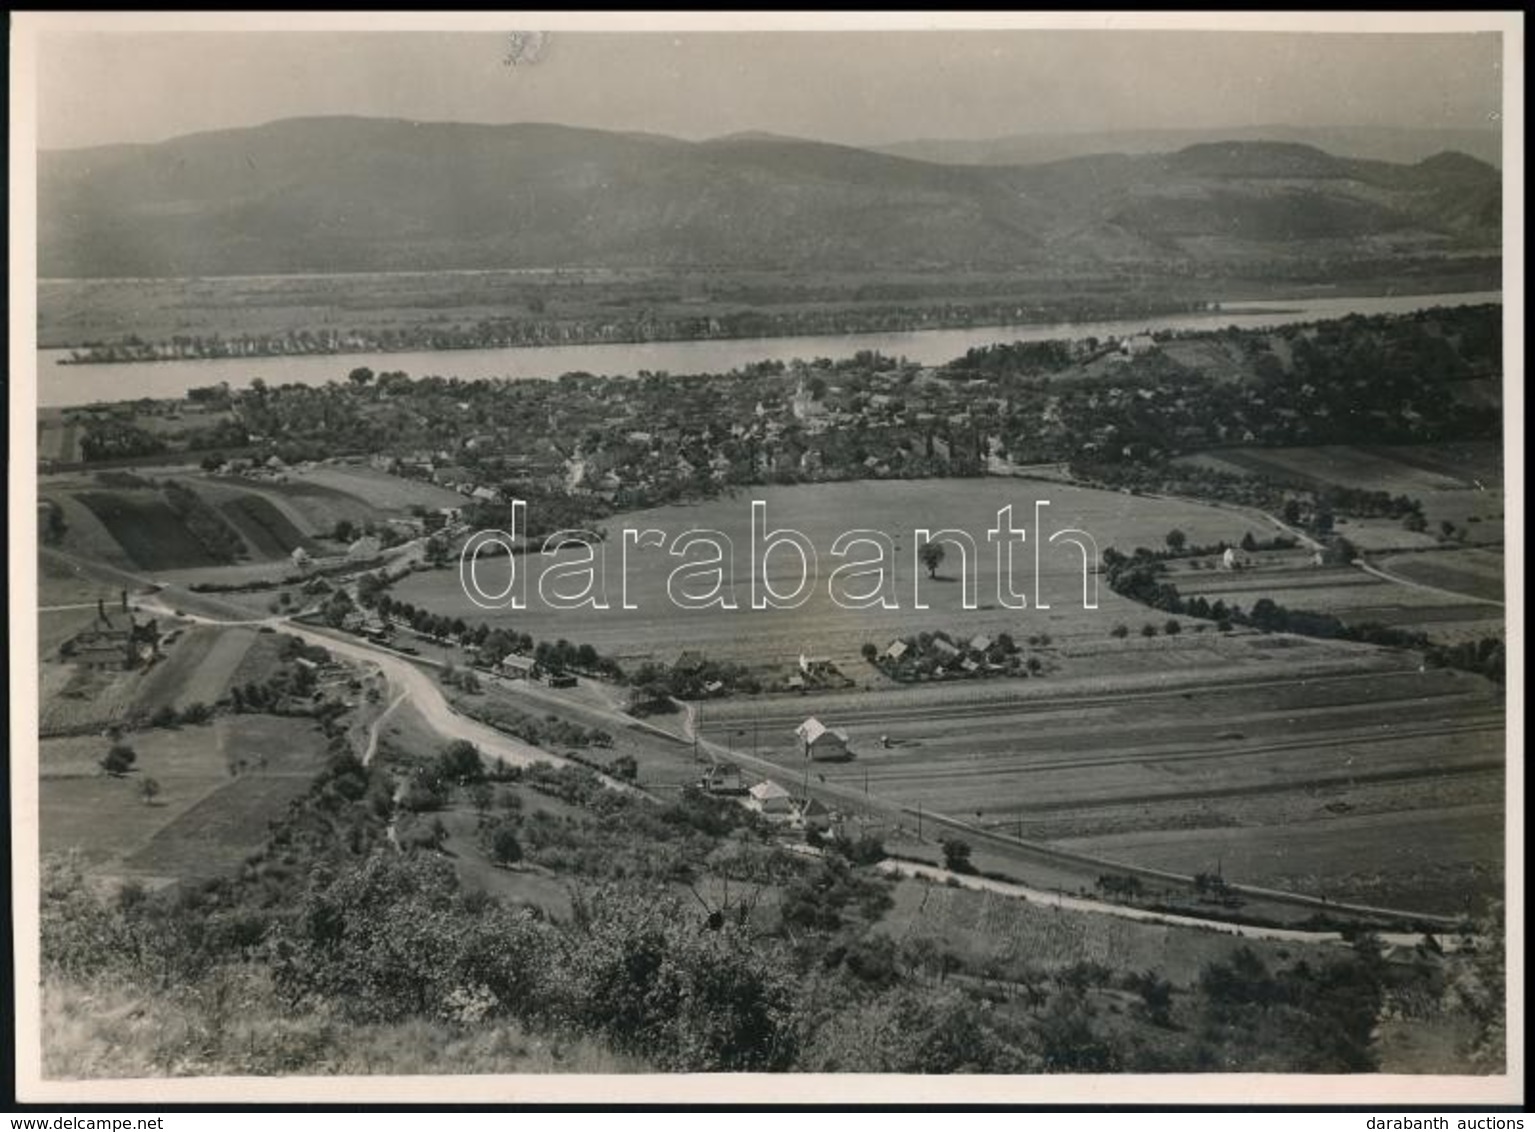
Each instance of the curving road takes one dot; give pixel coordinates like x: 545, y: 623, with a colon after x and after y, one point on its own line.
x: 1128, y: 912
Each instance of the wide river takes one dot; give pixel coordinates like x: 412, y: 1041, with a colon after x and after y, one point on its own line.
x: 80, y: 385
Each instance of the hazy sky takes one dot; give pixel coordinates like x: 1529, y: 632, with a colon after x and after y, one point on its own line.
x: 851, y: 87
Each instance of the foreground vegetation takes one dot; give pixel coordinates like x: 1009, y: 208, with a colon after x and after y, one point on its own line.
x: 343, y: 942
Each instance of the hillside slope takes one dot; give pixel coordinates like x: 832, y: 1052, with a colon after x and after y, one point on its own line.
x: 347, y: 194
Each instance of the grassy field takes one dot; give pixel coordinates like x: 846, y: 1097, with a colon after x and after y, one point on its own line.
x: 1288, y: 755
x: 1440, y: 856
x: 773, y: 639
x: 146, y: 528
x: 1460, y: 483
x: 315, y: 508
x: 1290, y: 579
x: 196, y: 668
x: 281, y: 758
x: 85, y: 534
x: 1479, y: 573
x: 203, y: 822
x: 382, y: 490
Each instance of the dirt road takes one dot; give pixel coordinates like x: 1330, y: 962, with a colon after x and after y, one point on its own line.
x: 1124, y: 911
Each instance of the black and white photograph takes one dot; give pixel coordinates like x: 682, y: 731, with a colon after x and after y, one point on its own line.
x: 640, y: 556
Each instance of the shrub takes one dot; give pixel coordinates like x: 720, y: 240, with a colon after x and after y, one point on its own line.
x: 119, y: 760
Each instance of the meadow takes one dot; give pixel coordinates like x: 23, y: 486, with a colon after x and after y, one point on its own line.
x: 773, y: 639
x: 204, y: 819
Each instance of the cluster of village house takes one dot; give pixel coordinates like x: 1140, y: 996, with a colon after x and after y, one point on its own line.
x: 642, y: 447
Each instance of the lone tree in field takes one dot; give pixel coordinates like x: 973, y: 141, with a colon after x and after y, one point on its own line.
x: 149, y: 790
x: 119, y: 760
x: 931, y: 556
x: 1176, y: 540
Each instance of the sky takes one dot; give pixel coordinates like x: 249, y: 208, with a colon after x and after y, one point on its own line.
x: 851, y: 87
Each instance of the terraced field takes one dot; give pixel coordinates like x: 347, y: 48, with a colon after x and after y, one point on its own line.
x: 146, y: 528
x: 315, y: 507
x: 264, y: 528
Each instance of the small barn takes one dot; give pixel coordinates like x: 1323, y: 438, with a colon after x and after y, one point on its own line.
x: 820, y: 742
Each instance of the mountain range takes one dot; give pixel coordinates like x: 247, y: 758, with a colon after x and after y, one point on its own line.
x: 1397, y: 144
x: 363, y: 194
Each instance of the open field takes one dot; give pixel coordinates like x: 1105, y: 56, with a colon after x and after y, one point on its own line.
x: 1457, y: 607
x: 196, y: 668
x: 1442, y: 856
x: 382, y: 490
x: 280, y: 758
x: 1460, y: 483
x: 773, y: 639
x: 85, y: 532
x: 55, y: 626
x: 315, y: 508
x: 1478, y: 573
x: 58, y: 439
x: 203, y: 822
x: 73, y: 311
x: 1298, y: 759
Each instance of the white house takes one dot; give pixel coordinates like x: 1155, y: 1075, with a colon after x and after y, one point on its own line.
x: 769, y: 798
x: 820, y: 741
